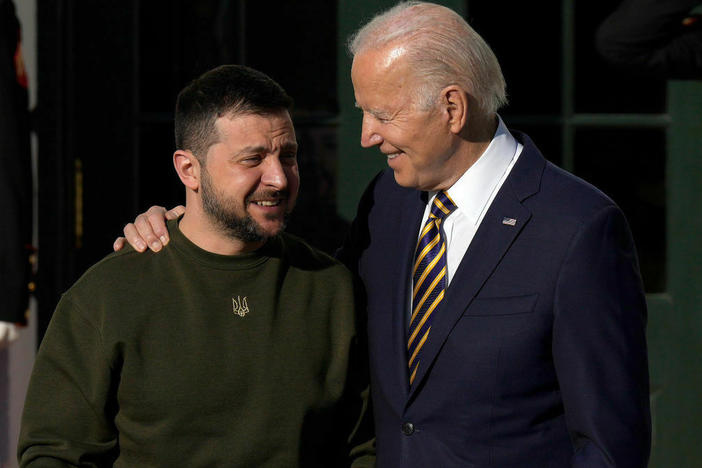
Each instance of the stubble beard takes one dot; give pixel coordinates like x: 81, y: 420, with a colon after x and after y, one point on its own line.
x: 223, y: 212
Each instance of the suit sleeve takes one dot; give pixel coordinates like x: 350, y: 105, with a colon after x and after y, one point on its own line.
x: 599, y: 346
x: 70, y: 405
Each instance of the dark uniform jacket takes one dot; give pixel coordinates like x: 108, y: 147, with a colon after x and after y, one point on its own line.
x: 15, y: 172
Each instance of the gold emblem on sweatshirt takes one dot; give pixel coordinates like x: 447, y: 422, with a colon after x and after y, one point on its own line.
x: 240, y: 306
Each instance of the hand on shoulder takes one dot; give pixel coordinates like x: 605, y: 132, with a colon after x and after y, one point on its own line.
x: 148, y: 229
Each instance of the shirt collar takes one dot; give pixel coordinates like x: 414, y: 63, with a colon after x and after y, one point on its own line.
x: 472, y: 191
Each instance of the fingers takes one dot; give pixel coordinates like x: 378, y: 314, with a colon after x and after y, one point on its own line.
x: 133, y: 237
x: 175, y: 212
x: 119, y: 243
x: 149, y: 229
x: 144, y: 225
x: 153, y: 227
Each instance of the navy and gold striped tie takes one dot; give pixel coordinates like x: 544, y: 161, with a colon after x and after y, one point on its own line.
x: 429, y: 279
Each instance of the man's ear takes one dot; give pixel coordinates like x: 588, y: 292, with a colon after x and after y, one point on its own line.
x: 188, y: 168
x: 455, y: 100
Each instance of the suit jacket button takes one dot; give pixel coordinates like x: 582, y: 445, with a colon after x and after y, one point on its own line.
x: 407, y: 428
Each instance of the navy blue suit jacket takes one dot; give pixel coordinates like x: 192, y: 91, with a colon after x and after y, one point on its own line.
x: 537, y: 354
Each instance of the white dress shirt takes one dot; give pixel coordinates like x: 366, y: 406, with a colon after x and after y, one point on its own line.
x: 473, y: 194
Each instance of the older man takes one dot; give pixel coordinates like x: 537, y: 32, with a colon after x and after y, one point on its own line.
x: 235, y: 346
x: 506, y: 317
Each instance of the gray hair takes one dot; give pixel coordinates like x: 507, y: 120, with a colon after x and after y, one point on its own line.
x: 442, y: 49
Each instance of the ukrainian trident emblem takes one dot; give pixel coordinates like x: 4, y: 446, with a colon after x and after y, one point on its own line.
x: 240, y: 306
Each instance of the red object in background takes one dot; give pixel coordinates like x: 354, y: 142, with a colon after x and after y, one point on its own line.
x: 691, y: 21
x: 19, y: 64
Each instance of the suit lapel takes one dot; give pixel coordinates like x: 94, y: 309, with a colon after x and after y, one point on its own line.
x: 492, y: 240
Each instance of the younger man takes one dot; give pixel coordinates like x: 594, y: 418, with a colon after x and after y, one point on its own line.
x: 234, y: 346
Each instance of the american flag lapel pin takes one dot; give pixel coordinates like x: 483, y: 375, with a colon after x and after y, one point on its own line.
x: 509, y: 221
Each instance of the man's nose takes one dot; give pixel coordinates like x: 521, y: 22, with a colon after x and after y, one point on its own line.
x: 274, y: 174
x: 369, y: 135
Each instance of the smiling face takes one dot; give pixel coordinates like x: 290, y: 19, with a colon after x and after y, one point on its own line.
x: 418, y: 143
x: 250, y: 180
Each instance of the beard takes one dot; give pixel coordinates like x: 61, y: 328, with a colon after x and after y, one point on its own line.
x: 225, y: 213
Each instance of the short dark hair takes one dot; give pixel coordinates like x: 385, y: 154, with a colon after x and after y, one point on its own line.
x: 227, y: 89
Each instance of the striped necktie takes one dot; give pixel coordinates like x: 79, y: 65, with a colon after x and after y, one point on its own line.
x: 429, y: 279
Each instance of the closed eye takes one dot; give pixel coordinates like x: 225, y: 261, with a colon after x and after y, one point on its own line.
x: 252, y: 160
x: 380, y: 117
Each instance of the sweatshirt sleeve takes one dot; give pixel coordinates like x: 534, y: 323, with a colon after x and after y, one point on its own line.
x: 68, y: 417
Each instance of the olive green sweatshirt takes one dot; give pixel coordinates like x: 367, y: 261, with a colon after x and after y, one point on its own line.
x: 193, y: 359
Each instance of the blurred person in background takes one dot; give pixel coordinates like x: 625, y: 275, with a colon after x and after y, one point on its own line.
x: 660, y: 38
x: 15, y: 179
